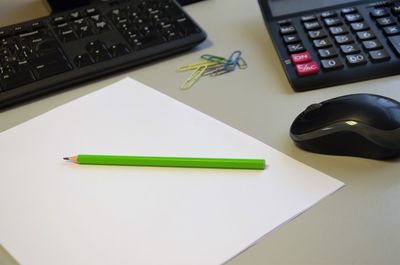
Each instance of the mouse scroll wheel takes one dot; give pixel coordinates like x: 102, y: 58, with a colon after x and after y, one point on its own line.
x: 312, y: 108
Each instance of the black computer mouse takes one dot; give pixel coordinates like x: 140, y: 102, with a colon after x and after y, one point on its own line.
x: 362, y: 125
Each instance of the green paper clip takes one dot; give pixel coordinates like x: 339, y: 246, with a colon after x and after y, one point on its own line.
x: 216, y: 59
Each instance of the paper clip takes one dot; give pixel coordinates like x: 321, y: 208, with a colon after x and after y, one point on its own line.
x: 233, y: 61
x: 193, y: 77
x: 220, y: 72
x: 213, y: 58
x: 242, y: 64
x: 196, y: 65
x: 212, y: 69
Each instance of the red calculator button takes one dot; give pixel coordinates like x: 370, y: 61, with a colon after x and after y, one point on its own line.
x: 300, y: 58
x: 307, y: 69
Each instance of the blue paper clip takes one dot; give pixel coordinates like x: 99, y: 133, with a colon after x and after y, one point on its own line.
x: 233, y: 61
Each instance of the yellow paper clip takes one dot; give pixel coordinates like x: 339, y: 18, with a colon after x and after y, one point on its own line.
x: 196, y: 65
x: 193, y: 77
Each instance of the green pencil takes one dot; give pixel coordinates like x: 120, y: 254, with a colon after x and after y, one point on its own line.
x: 154, y: 161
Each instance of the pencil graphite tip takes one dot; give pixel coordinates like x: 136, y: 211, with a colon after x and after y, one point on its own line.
x: 73, y: 159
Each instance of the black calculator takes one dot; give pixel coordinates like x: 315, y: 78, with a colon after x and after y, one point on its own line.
x: 326, y: 43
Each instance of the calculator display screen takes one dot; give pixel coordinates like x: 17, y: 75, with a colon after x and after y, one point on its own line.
x: 286, y: 7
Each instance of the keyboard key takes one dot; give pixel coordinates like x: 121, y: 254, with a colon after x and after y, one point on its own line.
x: 327, y: 53
x: 291, y: 38
x: 348, y: 10
x: 67, y: 35
x: 80, y: 22
x: 47, y: 70
x: 300, y: 58
x: 306, y: 69
x: 295, y: 48
x: 331, y: 64
x: 10, y: 81
x: 365, y: 35
x: 322, y: 43
x: 83, y: 60
x: 285, y: 22
x: 356, y: 59
x: 75, y: 15
x: 22, y: 29
x: 91, y: 11
x: 328, y: 14
x: 385, y: 21
x: 372, y: 44
x: 151, y: 39
x: 100, y: 55
x: 308, y: 18
x: 344, y: 39
x: 102, y: 26
x: 356, y: 17
x: 379, y: 56
x: 37, y: 25
x: 379, y: 12
x: 96, y: 18
x: 46, y: 46
x: 95, y: 45
x: 287, y: 30
x: 84, y: 31
x: 313, y: 25
x: 338, y: 30
x: 4, y: 33
x: 58, y: 20
x: 187, y: 28
x: 349, y: 48
x: 357, y: 26
x: 317, y: 34
x: 335, y: 21
x: 391, y: 30
x: 119, y: 49
x: 395, y: 44
x: 396, y: 10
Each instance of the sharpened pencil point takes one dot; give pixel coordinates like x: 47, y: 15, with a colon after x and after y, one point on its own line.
x: 73, y: 159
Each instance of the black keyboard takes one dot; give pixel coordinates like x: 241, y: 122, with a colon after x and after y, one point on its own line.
x: 68, y: 48
x: 332, y: 46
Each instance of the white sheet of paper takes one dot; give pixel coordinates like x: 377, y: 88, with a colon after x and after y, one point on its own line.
x: 56, y: 212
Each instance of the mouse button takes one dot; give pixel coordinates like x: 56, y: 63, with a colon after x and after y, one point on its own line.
x: 318, y: 115
x: 308, y: 123
x: 312, y: 118
x: 312, y: 107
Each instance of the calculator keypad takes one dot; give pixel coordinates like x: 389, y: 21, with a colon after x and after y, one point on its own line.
x: 344, y: 37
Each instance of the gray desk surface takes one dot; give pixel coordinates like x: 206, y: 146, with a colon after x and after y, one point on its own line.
x: 360, y: 224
